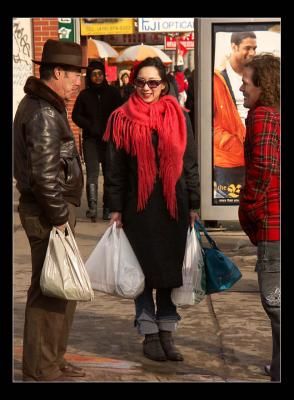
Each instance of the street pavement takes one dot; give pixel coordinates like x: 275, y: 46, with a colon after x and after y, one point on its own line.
x: 225, y: 338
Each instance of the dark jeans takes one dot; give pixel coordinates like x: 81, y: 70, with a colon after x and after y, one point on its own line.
x: 47, y: 319
x: 268, y: 270
x: 94, y: 155
x: 164, y: 318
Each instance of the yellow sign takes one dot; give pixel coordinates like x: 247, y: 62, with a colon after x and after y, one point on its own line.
x: 107, y: 26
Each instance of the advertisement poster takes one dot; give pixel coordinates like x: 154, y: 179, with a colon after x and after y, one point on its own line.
x: 232, y: 49
x: 107, y: 26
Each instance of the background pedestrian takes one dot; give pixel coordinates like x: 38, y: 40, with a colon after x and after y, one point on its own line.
x: 91, y: 111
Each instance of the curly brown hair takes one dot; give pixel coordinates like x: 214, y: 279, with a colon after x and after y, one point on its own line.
x: 266, y: 75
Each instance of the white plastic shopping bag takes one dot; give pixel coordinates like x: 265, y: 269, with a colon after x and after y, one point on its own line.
x: 113, y: 267
x: 192, y: 290
x: 63, y: 274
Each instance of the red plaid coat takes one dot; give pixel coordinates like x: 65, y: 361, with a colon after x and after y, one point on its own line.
x: 259, y: 210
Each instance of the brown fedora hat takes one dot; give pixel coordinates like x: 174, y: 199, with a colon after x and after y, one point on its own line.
x: 57, y: 52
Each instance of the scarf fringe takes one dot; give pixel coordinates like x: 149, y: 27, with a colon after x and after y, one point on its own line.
x: 135, y: 136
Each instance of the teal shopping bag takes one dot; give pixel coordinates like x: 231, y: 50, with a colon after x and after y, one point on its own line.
x: 221, y: 273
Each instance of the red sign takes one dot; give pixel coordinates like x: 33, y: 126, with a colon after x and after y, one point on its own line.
x: 187, y: 41
x: 111, y: 73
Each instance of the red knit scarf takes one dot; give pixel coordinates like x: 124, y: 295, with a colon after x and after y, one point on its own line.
x: 132, y: 125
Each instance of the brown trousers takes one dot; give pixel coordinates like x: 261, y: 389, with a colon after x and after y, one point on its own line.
x: 47, y: 319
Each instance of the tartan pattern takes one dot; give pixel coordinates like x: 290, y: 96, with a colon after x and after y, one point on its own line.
x: 259, y: 210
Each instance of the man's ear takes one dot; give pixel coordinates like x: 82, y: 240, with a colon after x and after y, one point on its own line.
x: 234, y: 47
x: 57, y: 73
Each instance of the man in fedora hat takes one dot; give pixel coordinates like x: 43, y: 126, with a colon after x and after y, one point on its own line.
x: 49, y: 178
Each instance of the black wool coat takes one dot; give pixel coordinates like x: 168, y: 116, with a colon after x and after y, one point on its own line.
x: 157, y: 239
x: 93, y: 108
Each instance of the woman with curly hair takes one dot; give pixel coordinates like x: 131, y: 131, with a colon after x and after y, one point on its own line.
x: 259, y: 210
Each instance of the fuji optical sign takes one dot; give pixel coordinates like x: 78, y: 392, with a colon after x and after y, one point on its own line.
x: 165, y: 24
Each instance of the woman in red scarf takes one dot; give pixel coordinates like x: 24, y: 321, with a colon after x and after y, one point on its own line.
x: 153, y: 188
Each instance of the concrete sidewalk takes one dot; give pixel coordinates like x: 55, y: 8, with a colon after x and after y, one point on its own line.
x: 227, y: 337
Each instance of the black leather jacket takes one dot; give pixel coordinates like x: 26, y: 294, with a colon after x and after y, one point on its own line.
x: 47, y: 167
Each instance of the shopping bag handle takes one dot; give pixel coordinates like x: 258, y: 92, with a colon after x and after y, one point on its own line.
x: 115, y: 231
x: 62, y: 233
x: 198, y: 226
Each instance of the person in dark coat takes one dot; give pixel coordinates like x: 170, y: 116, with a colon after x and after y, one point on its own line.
x: 126, y: 88
x: 153, y: 187
x: 190, y: 99
x: 173, y: 85
x: 91, y: 111
x: 49, y: 177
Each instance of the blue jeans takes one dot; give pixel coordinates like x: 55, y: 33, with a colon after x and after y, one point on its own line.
x: 164, y: 318
x: 268, y: 270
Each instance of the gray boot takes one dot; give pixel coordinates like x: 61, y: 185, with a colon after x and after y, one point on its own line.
x: 152, y: 348
x: 91, y: 190
x: 167, y: 343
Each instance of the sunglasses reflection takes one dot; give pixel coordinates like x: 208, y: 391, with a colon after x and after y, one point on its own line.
x: 152, y: 83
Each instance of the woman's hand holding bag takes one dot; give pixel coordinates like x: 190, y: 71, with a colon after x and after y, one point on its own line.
x: 113, y: 267
x: 193, y: 289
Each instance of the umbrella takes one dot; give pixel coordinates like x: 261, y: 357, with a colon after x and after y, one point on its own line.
x: 99, y: 49
x: 140, y: 52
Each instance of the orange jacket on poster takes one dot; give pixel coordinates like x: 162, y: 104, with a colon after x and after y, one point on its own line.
x: 229, y: 131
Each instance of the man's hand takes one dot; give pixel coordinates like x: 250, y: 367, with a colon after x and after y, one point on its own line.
x: 116, y: 217
x: 61, y: 227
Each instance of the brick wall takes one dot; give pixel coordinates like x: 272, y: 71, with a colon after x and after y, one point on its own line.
x: 43, y: 29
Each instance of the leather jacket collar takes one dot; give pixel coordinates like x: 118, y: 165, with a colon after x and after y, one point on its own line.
x: 36, y: 87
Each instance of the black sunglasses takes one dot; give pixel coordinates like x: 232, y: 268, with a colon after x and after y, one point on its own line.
x: 152, y: 83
